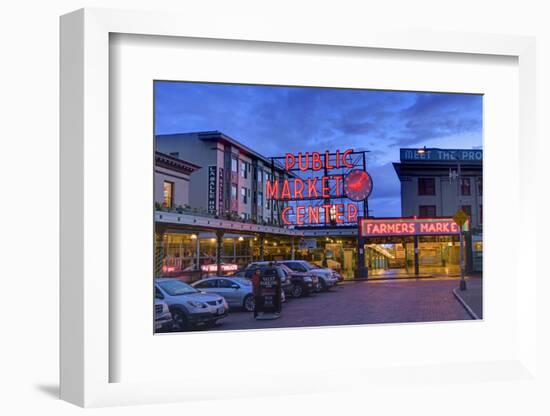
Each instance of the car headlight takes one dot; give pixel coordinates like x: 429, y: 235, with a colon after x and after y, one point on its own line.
x: 196, y: 304
x: 307, y: 279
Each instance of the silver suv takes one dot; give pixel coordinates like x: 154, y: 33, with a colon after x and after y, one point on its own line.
x: 327, y: 278
x: 189, y: 307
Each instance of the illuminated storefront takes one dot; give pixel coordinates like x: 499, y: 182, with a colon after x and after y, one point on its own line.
x: 414, y: 245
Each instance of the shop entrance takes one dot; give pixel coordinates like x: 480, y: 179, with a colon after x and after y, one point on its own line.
x: 437, y: 256
x: 402, y: 247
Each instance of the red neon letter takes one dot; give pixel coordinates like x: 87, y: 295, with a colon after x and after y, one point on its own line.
x: 302, y: 166
x: 337, y: 159
x: 284, y: 215
x: 327, y: 161
x: 300, y: 214
x: 337, y: 186
x: 339, y: 213
x: 325, y: 187
x: 285, y: 192
x: 313, y: 214
x: 352, y: 213
x: 298, y: 189
x: 312, y: 187
x: 316, y: 163
x: 326, y: 207
x: 290, y: 161
x: 272, y: 189
x: 345, y: 158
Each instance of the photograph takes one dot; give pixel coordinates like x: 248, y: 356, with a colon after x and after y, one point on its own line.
x: 293, y: 206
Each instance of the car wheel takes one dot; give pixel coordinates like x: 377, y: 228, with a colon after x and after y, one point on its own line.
x: 323, y: 285
x: 297, y: 291
x: 179, y: 321
x: 248, y: 303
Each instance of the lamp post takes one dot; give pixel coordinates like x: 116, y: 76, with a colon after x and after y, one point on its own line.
x: 423, y: 151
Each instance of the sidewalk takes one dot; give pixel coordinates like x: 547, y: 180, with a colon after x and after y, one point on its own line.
x: 472, y: 297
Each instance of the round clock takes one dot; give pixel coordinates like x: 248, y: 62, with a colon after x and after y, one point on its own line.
x: 357, y: 185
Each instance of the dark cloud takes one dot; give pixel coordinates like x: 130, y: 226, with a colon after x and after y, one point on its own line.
x: 276, y: 120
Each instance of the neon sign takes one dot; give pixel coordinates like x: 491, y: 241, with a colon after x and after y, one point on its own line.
x: 355, y: 185
x: 407, y: 226
x: 226, y: 267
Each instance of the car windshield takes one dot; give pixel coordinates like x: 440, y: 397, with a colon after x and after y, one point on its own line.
x: 309, y: 266
x: 176, y: 287
x: 287, y: 269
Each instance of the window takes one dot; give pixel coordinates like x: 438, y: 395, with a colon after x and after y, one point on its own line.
x: 244, y: 169
x: 426, y: 186
x: 260, y: 175
x: 233, y: 191
x: 244, y: 195
x: 168, y: 194
x: 226, y: 284
x: 260, y: 199
x: 467, y: 209
x: 465, y: 186
x: 207, y: 284
x: 426, y: 211
x: 234, y: 164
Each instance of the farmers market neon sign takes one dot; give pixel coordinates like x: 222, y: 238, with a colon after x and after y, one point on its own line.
x: 355, y: 185
x: 407, y: 226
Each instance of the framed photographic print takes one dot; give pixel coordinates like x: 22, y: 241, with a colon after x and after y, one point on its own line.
x: 271, y: 207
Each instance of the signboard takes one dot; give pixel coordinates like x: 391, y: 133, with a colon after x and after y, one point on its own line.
x: 442, y: 155
x: 212, y: 178
x: 220, y: 190
x: 407, y: 227
x: 460, y: 217
x: 226, y: 267
x: 307, y: 244
x: 326, y: 182
x: 268, y: 293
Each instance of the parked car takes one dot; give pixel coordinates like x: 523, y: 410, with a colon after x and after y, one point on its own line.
x: 286, y: 284
x: 190, y: 307
x: 327, y: 278
x: 237, y: 291
x: 163, y: 317
x: 301, y: 284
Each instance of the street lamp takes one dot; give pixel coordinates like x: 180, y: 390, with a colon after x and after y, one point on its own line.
x: 422, y: 151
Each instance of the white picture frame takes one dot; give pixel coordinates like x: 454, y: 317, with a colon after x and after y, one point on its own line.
x: 86, y: 332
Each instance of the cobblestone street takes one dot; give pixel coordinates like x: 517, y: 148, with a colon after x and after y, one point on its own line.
x: 352, y: 303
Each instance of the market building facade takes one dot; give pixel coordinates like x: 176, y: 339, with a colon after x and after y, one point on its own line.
x: 231, y: 205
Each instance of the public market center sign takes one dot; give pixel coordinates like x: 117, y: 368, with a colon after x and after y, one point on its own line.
x: 325, y: 183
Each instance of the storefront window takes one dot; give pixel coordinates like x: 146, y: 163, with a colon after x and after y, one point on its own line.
x: 426, y: 211
x: 168, y: 194
x: 465, y: 186
x: 426, y: 186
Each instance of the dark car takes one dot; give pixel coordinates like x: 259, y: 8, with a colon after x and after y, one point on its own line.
x: 295, y: 284
x: 286, y: 283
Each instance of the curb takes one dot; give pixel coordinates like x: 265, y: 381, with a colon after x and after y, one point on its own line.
x: 369, y: 279
x: 465, y: 305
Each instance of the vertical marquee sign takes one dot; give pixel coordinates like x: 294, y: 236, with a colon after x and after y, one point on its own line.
x: 212, y: 177
x: 321, y: 177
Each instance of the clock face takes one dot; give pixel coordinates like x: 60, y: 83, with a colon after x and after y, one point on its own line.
x: 357, y: 185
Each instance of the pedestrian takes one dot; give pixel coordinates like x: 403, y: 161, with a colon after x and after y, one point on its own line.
x: 256, y: 291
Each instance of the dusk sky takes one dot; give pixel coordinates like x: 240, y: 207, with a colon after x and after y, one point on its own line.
x: 277, y: 120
